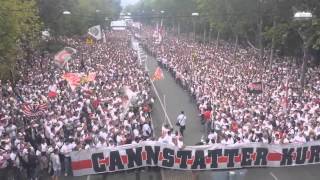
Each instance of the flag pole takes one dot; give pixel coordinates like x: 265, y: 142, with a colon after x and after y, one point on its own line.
x: 165, y: 106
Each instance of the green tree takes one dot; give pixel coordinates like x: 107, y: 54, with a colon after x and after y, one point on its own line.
x: 84, y: 14
x: 19, y: 34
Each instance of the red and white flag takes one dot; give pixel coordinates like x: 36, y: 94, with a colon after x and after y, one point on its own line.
x: 73, y: 79
x: 52, y: 91
x: 34, y: 111
x: 158, y: 74
x: 63, y: 56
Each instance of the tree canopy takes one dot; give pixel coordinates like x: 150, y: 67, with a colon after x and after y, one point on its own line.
x: 19, y: 28
x: 21, y: 23
x: 84, y: 14
x: 270, y: 20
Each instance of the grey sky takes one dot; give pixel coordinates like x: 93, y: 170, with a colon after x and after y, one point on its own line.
x: 124, y: 3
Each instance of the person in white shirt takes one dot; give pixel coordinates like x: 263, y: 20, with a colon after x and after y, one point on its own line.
x: 213, y: 135
x: 55, y: 164
x: 300, y: 138
x: 229, y: 140
x: 180, y: 142
x: 168, y: 138
x: 146, y: 130
x: 66, y: 149
x: 165, y: 129
x: 181, y: 122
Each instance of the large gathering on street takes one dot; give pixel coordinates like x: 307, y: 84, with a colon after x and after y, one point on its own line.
x: 96, y: 88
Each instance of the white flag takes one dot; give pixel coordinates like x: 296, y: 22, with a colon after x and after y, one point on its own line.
x: 95, y: 31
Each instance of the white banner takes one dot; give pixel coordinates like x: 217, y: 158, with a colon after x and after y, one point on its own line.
x: 151, y: 153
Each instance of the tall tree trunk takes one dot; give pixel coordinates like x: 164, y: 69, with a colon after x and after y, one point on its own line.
x: 12, y: 77
x: 235, y: 48
x: 218, y: 37
x: 304, y: 69
x: 260, y: 40
x: 209, y: 38
x: 272, y: 43
x: 173, y: 26
x: 259, y: 25
x: 178, y: 28
x: 204, y: 34
x: 194, y: 29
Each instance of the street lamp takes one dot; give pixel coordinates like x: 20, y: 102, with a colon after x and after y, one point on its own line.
x: 66, y: 12
x: 303, y: 16
x: 107, y: 20
x: 195, y: 14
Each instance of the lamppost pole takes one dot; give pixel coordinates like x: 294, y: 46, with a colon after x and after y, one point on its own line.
x: 194, y: 24
x: 303, y: 16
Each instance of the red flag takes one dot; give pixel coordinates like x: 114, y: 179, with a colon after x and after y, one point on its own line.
x: 52, y: 94
x: 73, y: 79
x: 158, y: 74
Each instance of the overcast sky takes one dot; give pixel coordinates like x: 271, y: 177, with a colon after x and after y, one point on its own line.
x: 124, y: 3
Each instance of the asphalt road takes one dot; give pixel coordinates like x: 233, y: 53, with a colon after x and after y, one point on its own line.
x: 175, y: 100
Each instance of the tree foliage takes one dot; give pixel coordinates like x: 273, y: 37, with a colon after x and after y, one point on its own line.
x: 243, y: 17
x: 21, y: 23
x: 84, y: 14
x: 19, y: 32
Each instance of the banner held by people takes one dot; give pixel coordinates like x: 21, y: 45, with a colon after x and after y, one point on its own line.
x: 255, y: 88
x: 207, y: 157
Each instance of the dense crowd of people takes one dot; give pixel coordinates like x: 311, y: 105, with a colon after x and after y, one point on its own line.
x: 115, y: 107
x: 112, y: 110
x: 218, y: 80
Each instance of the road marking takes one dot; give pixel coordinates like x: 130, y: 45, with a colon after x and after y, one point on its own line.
x: 156, y: 91
x: 163, y: 108
x: 274, y: 176
x: 88, y: 177
x: 161, y: 103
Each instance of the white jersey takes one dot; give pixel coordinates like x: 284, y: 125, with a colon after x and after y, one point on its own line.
x: 182, y: 119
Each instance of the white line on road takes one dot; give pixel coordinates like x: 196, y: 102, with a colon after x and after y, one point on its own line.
x: 163, y: 108
x: 274, y: 176
x: 155, y: 90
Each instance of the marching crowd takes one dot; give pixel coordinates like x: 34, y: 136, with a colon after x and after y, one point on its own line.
x: 115, y: 107
x: 218, y: 81
x: 112, y: 110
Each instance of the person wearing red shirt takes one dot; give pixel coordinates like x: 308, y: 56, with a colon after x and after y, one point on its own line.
x: 207, y: 121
